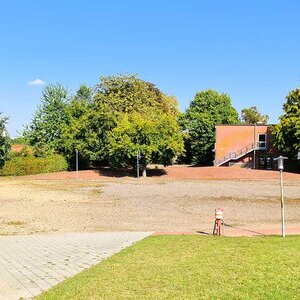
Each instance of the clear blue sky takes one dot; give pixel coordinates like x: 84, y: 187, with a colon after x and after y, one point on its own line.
x: 248, y: 49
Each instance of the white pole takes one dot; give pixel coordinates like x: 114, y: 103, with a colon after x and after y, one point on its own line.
x: 138, y: 164
x: 254, y: 152
x: 77, y: 174
x: 282, y: 207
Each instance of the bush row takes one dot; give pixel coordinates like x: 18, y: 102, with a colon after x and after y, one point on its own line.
x: 32, y: 165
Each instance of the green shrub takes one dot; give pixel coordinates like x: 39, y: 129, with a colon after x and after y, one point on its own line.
x: 32, y: 165
x: 24, y: 152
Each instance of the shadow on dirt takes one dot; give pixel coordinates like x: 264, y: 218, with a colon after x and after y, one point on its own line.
x: 243, y: 229
x: 119, y: 173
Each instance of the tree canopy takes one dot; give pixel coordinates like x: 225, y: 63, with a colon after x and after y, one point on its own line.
x: 207, y: 109
x: 136, y: 115
x: 287, y: 132
x: 252, y: 115
x: 109, y: 123
x: 45, y: 129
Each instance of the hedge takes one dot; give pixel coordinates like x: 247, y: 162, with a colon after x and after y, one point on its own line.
x: 31, y: 165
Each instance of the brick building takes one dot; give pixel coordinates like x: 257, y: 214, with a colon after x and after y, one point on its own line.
x: 244, y: 145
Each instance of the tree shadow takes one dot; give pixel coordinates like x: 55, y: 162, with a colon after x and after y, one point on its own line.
x: 200, y: 166
x: 119, y: 173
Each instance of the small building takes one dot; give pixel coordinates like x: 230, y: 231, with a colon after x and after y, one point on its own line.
x: 244, y: 145
x: 17, y: 147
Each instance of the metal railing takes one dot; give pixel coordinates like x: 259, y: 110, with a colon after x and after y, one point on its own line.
x: 236, y: 155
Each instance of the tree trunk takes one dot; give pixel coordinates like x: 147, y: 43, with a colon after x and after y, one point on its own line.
x: 144, y: 172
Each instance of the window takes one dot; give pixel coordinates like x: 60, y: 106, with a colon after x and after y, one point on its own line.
x: 262, y: 141
x: 265, y: 162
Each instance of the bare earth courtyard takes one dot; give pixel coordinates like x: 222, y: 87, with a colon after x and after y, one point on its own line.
x: 44, y: 204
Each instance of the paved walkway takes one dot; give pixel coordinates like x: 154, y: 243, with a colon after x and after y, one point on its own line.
x: 32, y: 264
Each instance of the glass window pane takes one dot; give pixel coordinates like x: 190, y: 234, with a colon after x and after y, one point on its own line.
x: 262, y: 137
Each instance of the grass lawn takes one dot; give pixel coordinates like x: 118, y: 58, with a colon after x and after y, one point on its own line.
x: 192, y: 267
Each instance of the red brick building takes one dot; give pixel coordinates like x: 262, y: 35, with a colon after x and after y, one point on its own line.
x: 244, y: 145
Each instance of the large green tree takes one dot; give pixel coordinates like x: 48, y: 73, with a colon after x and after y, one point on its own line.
x: 45, y: 130
x: 252, y: 115
x: 4, y: 140
x: 206, y: 110
x: 287, y: 132
x: 158, y: 138
x: 135, y: 115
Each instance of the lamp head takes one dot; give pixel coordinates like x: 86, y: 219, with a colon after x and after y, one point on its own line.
x: 280, y: 163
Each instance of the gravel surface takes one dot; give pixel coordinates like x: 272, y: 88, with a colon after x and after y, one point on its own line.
x: 152, y: 204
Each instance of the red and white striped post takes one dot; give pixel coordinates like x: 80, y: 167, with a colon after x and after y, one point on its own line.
x: 218, y: 222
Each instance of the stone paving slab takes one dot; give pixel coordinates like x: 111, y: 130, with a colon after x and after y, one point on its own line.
x: 34, y: 263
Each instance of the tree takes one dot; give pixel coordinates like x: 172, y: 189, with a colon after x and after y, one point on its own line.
x: 45, y: 129
x: 76, y: 131
x: 206, y: 110
x: 127, y: 93
x: 286, y: 133
x: 251, y: 115
x: 158, y: 138
x: 136, y: 115
x: 4, y: 140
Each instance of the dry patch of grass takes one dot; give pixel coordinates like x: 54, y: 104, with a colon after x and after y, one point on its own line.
x: 292, y: 200
x: 94, y: 192
x: 64, y: 186
x: 14, y: 223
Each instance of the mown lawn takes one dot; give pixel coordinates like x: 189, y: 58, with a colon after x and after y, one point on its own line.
x: 192, y: 267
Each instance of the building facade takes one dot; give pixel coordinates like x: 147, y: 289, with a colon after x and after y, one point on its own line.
x: 244, y: 145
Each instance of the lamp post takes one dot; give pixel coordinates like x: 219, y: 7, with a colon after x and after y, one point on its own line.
x: 280, y: 164
x: 254, y: 147
x: 138, y: 157
x: 77, y: 164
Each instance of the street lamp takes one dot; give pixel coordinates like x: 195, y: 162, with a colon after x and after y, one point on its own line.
x: 254, y: 146
x: 280, y: 165
x: 138, y: 157
x: 77, y: 163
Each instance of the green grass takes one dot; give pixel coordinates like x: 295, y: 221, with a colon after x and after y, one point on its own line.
x: 192, y: 267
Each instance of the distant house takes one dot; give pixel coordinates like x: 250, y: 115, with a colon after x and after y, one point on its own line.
x: 245, y: 145
x: 17, y: 147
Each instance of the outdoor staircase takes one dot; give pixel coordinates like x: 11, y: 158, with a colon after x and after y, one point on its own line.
x: 235, y: 155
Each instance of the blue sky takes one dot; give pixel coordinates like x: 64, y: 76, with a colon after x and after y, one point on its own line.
x: 248, y: 49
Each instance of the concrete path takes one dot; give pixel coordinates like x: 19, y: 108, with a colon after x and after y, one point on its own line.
x: 32, y: 264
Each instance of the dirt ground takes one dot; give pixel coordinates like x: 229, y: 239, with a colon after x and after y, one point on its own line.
x: 174, y: 172
x: 167, y: 203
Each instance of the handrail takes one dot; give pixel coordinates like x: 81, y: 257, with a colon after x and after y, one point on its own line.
x: 237, y: 154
